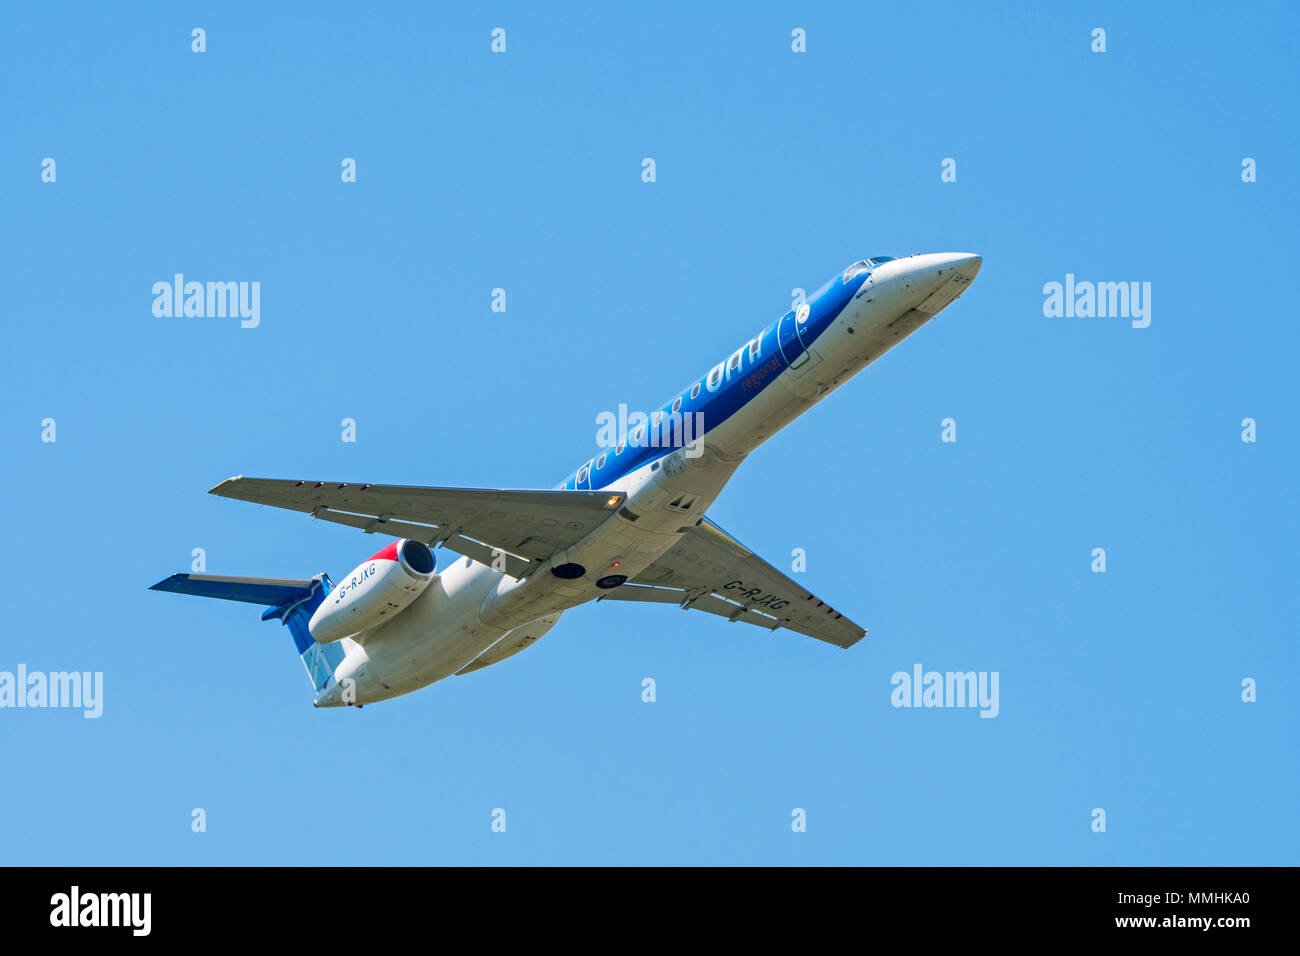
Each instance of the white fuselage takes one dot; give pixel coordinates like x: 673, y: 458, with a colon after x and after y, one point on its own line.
x: 472, y: 615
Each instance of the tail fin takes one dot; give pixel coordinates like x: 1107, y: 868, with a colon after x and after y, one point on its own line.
x: 290, y: 601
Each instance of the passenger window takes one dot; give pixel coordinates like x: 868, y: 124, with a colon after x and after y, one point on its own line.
x: 677, y: 404
x: 619, y: 450
x: 582, y: 474
x: 656, y: 418
x: 600, y: 462
x: 695, y: 390
x: 753, y: 349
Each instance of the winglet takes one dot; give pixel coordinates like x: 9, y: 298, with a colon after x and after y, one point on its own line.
x: 216, y: 489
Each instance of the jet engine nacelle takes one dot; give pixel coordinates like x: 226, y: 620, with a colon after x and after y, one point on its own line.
x: 378, y: 589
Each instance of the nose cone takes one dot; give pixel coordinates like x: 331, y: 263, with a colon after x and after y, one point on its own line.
x: 936, y: 279
x: 965, y: 264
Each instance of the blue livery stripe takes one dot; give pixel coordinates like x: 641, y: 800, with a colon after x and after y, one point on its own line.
x: 738, y: 387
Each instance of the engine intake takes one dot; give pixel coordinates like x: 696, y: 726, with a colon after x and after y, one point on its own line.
x: 376, y: 590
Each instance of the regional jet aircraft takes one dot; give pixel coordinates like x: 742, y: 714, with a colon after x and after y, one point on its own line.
x: 628, y: 525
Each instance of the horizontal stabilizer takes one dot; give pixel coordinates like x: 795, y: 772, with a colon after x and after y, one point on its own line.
x: 288, y: 600
x: 272, y: 592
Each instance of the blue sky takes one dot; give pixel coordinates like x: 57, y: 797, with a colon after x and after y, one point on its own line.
x: 774, y: 170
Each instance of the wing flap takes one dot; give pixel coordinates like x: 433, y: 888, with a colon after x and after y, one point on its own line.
x: 709, y: 603
x: 637, y: 592
x: 514, y: 565
x: 526, y: 525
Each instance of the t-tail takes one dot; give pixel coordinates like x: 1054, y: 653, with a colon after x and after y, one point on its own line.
x: 377, y: 590
x: 290, y: 601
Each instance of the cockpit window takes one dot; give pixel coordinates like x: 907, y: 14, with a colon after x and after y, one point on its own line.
x: 857, y: 268
x: 878, y: 260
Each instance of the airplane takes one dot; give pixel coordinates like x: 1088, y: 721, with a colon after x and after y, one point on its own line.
x: 629, y: 524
